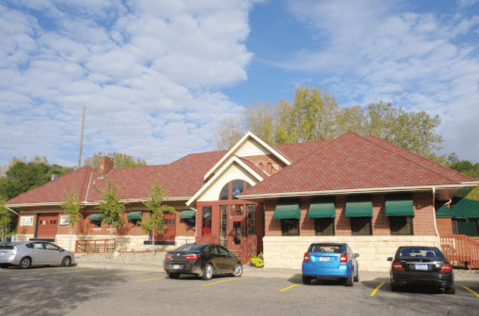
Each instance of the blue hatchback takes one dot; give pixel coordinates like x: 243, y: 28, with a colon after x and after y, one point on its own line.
x: 331, y: 260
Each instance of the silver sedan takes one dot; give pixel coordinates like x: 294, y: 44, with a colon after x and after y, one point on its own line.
x: 33, y: 253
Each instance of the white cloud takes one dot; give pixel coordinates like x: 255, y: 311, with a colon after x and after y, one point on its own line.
x: 418, y: 61
x: 147, y: 71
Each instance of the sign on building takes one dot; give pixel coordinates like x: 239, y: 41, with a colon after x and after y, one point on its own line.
x: 64, y: 220
x: 26, y: 221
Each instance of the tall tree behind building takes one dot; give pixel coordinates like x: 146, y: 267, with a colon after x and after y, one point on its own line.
x: 314, y: 115
x: 121, y: 161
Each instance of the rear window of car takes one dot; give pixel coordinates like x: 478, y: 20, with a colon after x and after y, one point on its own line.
x: 6, y: 247
x: 413, y: 252
x: 186, y: 248
x: 327, y: 248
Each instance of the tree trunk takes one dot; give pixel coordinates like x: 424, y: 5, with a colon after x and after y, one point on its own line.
x: 154, y: 233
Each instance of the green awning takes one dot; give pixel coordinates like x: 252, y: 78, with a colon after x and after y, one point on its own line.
x: 399, y: 208
x: 285, y: 210
x: 444, y: 211
x: 359, y: 209
x: 321, y: 210
x: 95, y: 217
x: 134, y: 215
x: 466, y: 209
x: 187, y: 214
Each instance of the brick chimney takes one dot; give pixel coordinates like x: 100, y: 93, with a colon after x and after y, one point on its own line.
x: 105, y: 164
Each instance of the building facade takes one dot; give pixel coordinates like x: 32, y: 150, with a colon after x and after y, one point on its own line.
x: 356, y: 189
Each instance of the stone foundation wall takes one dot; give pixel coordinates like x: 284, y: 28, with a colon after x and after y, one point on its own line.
x: 288, y: 251
x: 183, y: 240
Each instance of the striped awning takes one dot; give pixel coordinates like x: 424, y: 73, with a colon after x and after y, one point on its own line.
x: 134, y: 215
x: 399, y: 208
x: 287, y: 209
x: 95, y: 217
x: 187, y: 214
x: 359, y: 209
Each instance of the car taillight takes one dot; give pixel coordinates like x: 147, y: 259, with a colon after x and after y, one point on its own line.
x: 343, y: 258
x: 446, y: 267
x: 397, y: 266
x: 168, y: 257
x: 192, y: 257
x: 306, y: 257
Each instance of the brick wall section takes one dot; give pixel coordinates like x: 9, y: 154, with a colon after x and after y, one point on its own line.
x: 265, y: 159
x: 380, y: 222
x: 272, y: 226
x: 444, y: 226
x: 343, y: 225
x: 306, y: 225
x: 423, y: 221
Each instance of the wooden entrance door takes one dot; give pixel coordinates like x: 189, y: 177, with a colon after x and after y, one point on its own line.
x: 47, y: 225
x: 169, y: 232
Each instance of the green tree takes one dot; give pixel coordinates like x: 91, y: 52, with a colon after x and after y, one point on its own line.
x: 72, y: 208
x: 22, y: 176
x: 452, y: 158
x: 154, y: 202
x: 110, y: 206
x: 314, y: 115
x: 5, y: 218
x: 120, y: 161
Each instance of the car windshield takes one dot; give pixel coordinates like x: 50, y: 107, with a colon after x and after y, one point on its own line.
x: 187, y: 248
x: 413, y: 252
x: 327, y: 248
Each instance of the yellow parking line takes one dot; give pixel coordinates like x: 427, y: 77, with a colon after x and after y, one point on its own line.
x: 212, y: 283
x: 289, y: 287
x: 151, y: 279
x: 475, y: 293
x: 96, y: 276
x: 377, y: 289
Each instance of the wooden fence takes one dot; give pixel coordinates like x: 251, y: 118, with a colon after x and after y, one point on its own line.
x: 461, y: 250
x: 95, y: 245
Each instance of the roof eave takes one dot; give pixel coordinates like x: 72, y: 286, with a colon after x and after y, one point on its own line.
x: 356, y: 191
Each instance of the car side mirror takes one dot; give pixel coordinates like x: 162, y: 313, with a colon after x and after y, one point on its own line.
x: 356, y: 255
x: 390, y: 259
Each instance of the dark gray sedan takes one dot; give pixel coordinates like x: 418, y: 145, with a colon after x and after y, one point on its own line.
x: 33, y: 253
x: 205, y: 260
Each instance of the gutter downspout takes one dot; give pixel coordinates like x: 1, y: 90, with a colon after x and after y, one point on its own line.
x: 196, y: 222
x: 434, y: 211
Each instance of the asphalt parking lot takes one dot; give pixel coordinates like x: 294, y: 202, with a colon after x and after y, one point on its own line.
x: 94, y: 291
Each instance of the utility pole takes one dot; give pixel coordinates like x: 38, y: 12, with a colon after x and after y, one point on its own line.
x: 81, y: 139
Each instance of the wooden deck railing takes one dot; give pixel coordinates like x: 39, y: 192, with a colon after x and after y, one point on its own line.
x: 248, y: 249
x: 95, y: 245
x: 461, y: 250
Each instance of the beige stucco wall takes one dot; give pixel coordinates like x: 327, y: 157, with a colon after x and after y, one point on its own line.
x: 288, y: 251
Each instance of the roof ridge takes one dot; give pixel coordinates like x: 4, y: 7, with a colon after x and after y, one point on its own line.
x: 423, y: 158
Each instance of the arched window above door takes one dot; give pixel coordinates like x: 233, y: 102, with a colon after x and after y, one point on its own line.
x: 237, y: 187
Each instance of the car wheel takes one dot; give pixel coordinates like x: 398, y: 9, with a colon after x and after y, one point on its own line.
x: 238, y: 270
x: 3, y: 266
x: 207, y: 271
x: 307, y: 279
x: 356, y: 277
x: 25, y: 263
x: 67, y: 261
x: 173, y: 275
x: 451, y: 290
x: 349, y: 281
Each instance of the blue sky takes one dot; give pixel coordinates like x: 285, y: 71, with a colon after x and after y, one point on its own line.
x: 156, y: 77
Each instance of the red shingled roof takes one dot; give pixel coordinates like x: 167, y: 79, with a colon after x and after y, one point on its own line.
x: 347, y: 162
x: 351, y: 161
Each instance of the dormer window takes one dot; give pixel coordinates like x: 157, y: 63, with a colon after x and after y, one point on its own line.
x: 237, y: 187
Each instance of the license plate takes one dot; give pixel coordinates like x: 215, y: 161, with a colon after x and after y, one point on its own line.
x: 176, y: 266
x: 421, y: 266
x: 324, y: 259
